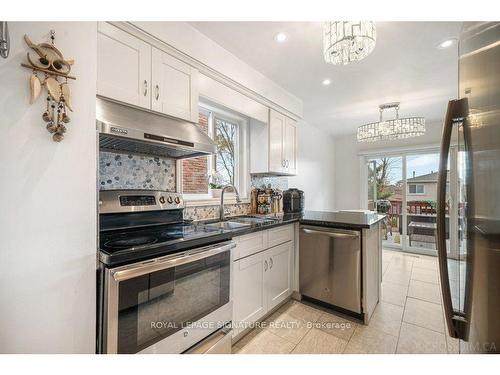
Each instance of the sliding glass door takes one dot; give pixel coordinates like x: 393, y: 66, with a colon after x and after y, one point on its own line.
x: 421, y: 195
x: 404, y: 187
x: 385, y: 194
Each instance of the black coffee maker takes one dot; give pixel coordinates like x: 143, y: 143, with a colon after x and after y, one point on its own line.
x: 293, y: 201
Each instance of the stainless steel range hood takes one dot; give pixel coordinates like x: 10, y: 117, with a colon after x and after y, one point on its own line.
x: 126, y: 129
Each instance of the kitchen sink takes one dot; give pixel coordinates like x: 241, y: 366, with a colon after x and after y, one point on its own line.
x: 253, y: 220
x: 230, y: 225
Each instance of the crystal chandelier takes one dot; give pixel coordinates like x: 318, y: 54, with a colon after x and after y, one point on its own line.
x: 397, y: 128
x: 348, y: 41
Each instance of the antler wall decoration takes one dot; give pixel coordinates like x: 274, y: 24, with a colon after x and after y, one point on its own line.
x: 46, y: 59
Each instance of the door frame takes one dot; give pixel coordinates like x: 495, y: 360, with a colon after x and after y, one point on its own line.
x: 364, y: 159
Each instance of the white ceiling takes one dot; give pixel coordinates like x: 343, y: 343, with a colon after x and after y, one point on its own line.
x: 405, y: 66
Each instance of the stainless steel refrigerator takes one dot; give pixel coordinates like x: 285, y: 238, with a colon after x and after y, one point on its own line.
x: 470, y: 272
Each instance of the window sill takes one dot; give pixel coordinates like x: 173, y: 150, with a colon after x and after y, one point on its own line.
x: 213, y: 201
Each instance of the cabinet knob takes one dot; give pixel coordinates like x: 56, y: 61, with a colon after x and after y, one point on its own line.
x: 145, y: 87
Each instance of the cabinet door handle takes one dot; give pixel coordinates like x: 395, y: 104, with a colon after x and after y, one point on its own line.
x: 145, y: 87
x: 287, y: 163
x: 283, y: 163
x: 157, y: 92
x: 265, y: 265
x: 270, y: 263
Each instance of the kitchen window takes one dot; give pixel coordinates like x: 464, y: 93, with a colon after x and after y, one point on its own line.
x: 201, y: 177
x: 416, y: 189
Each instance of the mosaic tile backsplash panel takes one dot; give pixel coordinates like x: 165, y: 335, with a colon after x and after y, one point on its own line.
x: 127, y: 171
x: 212, y: 212
x: 276, y: 182
x: 130, y: 171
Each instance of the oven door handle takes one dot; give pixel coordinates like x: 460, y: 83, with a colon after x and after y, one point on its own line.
x: 158, y: 264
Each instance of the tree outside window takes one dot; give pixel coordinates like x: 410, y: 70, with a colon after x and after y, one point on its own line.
x: 225, y: 137
x: 198, y: 174
x: 382, y: 175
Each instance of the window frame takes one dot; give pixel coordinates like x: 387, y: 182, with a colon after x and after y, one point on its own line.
x: 242, y: 159
x: 416, y: 189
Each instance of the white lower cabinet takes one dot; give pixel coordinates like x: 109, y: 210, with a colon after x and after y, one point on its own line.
x: 261, y: 281
x: 278, y: 277
x: 249, y: 300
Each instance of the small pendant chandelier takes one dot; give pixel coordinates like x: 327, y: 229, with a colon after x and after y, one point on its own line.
x: 398, y: 128
x: 348, y: 41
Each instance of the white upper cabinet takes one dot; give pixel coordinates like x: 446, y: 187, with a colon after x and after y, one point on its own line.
x: 123, y: 66
x: 290, y: 146
x: 274, y: 145
x: 132, y: 71
x: 174, y: 87
x: 276, y: 134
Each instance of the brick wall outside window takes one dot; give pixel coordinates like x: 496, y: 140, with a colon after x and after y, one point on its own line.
x: 194, y: 171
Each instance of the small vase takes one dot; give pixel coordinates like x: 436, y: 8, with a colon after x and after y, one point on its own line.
x: 216, y: 193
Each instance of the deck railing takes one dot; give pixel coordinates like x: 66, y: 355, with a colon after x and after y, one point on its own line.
x: 417, y: 212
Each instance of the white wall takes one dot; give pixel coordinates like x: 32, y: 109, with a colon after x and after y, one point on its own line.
x: 48, y: 203
x: 347, y: 163
x: 316, y: 167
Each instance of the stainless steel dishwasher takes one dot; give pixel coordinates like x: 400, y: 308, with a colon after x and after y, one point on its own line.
x: 330, y: 266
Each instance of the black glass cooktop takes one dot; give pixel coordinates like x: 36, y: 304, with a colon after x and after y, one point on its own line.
x: 125, y: 245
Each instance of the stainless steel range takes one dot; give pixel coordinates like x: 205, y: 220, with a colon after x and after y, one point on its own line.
x: 164, y: 283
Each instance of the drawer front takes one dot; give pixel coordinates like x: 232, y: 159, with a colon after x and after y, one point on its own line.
x: 250, y: 244
x: 280, y: 235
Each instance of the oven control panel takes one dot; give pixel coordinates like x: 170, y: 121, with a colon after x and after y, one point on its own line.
x: 116, y: 201
x: 137, y: 200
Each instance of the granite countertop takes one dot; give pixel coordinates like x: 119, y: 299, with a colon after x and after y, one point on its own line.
x: 319, y: 218
x: 341, y: 219
x: 281, y: 220
x: 255, y: 227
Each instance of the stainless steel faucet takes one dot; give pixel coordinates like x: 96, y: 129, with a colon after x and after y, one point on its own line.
x: 221, y: 208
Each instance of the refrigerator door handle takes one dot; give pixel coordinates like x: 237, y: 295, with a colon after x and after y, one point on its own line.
x: 457, y: 109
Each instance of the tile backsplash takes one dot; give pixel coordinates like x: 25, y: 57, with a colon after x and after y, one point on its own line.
x: 212, y: 212
x: 131, y: 171
x: 276, y: 182
x: 127, y: 171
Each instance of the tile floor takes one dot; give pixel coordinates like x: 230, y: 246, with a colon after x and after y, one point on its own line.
x: 408, y: 319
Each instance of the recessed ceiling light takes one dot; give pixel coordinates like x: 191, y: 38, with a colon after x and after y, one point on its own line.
x: 326, y: 82
x: 447, y: 43
x: 280, y: 37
